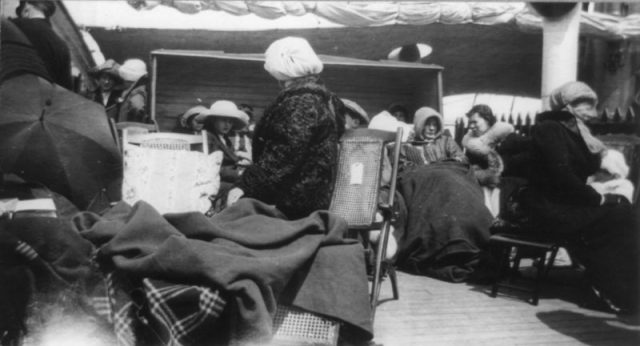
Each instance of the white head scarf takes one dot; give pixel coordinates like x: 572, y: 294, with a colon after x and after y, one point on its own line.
x: 566, y: 94
x: 291, y: 57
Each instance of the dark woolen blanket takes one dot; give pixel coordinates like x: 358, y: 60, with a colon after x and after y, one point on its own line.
x: 447, y: 225
x: 249, y: 250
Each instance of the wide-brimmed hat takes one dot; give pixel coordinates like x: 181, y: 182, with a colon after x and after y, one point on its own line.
x: 228, y: 109
x: 132, y: 69
x: 109, y: 67
x: 410, y: 52
x: 355, y: 109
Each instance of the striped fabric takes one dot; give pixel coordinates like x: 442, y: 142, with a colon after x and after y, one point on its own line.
x: 26, y: 250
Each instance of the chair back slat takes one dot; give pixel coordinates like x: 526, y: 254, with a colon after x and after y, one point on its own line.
x: 166, y: 144
x: 360, y: 164
x: 165, y: 140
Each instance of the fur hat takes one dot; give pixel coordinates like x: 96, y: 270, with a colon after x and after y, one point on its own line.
x: 420, y: 120
x: 132, y: 70
x: 355, y: 109
x: 228, y: 109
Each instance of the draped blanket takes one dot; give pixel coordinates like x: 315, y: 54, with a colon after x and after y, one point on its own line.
x: 447, y: 224
x: 251, y: 252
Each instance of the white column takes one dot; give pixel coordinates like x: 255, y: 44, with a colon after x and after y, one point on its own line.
x: 559, y: 51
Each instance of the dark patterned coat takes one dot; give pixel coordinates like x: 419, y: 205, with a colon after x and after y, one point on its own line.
x: 295, y: 149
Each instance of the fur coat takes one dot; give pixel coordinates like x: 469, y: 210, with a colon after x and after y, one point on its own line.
x: 295, y: 149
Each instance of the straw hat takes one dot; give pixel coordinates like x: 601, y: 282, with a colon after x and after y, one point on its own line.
x: 410, y: 52
x: 132, y: 70
x: 109, y: 67
x: 228, y: 109
x: 191, y: 113
x: 355, y: 109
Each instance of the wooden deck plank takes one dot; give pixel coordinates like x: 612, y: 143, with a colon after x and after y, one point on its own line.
x: 433, y: 312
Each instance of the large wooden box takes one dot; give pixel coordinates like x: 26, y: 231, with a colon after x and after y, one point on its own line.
x: 183, y: 78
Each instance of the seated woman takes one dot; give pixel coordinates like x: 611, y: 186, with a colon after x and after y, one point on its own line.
x: 601, y: 229
x: 222, y: 117
x: 480, y: 145
x: 432, y: 142
x: 443, y: 226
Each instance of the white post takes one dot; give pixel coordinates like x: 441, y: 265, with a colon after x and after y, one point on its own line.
x: 559, y: 51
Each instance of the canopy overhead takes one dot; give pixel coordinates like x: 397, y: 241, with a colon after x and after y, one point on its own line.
x: 267, y: 15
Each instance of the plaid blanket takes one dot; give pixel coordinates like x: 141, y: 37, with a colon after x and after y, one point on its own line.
x: 155, y: 312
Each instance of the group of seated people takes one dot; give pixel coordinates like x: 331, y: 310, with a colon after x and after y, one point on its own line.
x: 560, y: 183
x: 276, y: 243
x: 450, y: 197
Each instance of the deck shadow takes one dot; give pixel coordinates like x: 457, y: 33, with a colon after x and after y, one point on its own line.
x: 590, y: 330
x: 565, y: 283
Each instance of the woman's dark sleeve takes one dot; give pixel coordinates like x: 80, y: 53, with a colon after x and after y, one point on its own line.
x: 554, y: 155
x: 453, y: 150
x: 285, y: 150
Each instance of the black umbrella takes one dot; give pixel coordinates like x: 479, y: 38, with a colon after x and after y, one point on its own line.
x: 53, y: 136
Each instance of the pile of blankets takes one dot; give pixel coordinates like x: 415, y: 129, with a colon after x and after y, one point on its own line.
x: 185, y: 279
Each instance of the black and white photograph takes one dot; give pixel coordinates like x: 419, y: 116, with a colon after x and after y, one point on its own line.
x: 295, y: 173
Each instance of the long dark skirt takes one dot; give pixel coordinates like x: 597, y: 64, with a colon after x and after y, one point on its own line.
x: 605, y: 239
x: 447, y: 225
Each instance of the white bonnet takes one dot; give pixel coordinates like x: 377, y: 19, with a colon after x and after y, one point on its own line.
x: 291, y: 57
x: 132, y: 69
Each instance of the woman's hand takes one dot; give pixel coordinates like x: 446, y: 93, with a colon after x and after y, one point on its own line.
x: 234, y: 195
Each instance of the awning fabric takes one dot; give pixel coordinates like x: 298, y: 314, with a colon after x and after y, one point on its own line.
x: 379, y: 13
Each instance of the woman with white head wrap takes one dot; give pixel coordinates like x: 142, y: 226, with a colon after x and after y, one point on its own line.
x: 290, y: 58
x: 295, y: 142
x: 601, y: 230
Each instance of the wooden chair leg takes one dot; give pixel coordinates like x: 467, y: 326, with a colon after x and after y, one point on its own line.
x: 503, y: 266
x: 541, y: 270
x: 377, y: 274
x: 552, y: 259
x: 394, y: 281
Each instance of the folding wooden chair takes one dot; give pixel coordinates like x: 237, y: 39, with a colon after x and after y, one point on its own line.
x: 357, y: 191
x: 521, y: 246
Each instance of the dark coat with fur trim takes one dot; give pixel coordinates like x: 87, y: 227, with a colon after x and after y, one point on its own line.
x: 295, y: 150
x: 604, y: 238
x: 561, y: 161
